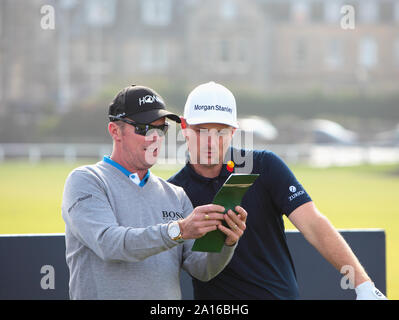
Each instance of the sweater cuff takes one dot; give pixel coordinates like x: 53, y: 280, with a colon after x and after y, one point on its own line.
x: 168, y: 241
x: 229, y: 249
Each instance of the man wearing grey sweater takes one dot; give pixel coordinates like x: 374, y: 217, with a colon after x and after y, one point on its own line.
x: 128, y: 232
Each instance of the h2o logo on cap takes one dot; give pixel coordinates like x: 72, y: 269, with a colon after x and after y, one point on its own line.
x: 149, y: 99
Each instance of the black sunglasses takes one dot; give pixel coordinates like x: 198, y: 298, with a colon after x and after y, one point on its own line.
x: 142, y: 129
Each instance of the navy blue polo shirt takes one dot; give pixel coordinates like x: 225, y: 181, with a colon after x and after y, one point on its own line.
x: 262, y: 267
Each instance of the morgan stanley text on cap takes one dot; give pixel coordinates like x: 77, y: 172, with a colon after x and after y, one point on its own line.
x: 143, y: 105
x: 211, y: 103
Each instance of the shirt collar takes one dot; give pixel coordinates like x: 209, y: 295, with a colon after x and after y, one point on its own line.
x: 132, y: 176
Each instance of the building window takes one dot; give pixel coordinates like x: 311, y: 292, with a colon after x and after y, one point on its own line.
x: 335, y: 54
x: 156, y: 12
x: 387, y: 11
x: 396, y: 12
x: 230, y: 55
x: 242, y: 56
x: 332, y: 11
x: 300, y: 11
x: 368, y: 11
x: 317, y: 11
x: 225, y: 51
x: 228, y: 10
x: 99, y: 13
x: 243, y: 60
x: 368, y: 52
x: 279, y: 10
x: 154, y: 56
x: 396, y: 52
x: 300, y: 53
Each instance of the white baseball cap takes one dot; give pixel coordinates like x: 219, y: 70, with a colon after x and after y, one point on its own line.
x: 211, y: 103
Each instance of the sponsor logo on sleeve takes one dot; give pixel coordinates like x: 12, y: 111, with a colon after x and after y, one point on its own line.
x: 294, y: 193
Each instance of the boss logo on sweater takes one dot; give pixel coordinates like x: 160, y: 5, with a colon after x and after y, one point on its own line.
x: 171, y: 215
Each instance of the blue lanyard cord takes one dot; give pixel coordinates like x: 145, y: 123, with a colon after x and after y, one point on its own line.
x: 132, y: 176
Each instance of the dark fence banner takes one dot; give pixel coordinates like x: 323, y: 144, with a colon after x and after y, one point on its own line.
x: 33, y: 267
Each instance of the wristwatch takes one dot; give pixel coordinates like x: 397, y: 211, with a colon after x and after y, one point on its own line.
x: 174, y: 232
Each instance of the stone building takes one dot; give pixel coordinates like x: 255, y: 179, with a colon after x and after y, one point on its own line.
x: 261, y: 44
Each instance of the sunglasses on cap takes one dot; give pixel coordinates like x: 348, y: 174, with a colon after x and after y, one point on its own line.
x: 142, y: 129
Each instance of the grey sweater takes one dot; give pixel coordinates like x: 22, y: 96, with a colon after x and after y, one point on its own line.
x: 117, y: 246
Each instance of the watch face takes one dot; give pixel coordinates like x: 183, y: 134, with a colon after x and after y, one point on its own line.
x: 174, y: 230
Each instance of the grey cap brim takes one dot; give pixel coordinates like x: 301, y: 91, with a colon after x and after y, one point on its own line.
x: 153, y: 115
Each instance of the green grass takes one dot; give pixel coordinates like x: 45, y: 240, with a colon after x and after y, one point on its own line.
x: 31, y: 196
x: 351, y: 197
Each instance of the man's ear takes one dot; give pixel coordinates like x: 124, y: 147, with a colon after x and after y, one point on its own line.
x: 114, y: 131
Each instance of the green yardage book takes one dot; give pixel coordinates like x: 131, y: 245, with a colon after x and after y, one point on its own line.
x: 229, y: 196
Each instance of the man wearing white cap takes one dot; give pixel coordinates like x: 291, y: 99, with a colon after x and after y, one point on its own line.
x: 261, y: 267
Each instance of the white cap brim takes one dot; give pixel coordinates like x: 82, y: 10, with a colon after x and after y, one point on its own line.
x: 206, y: 120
